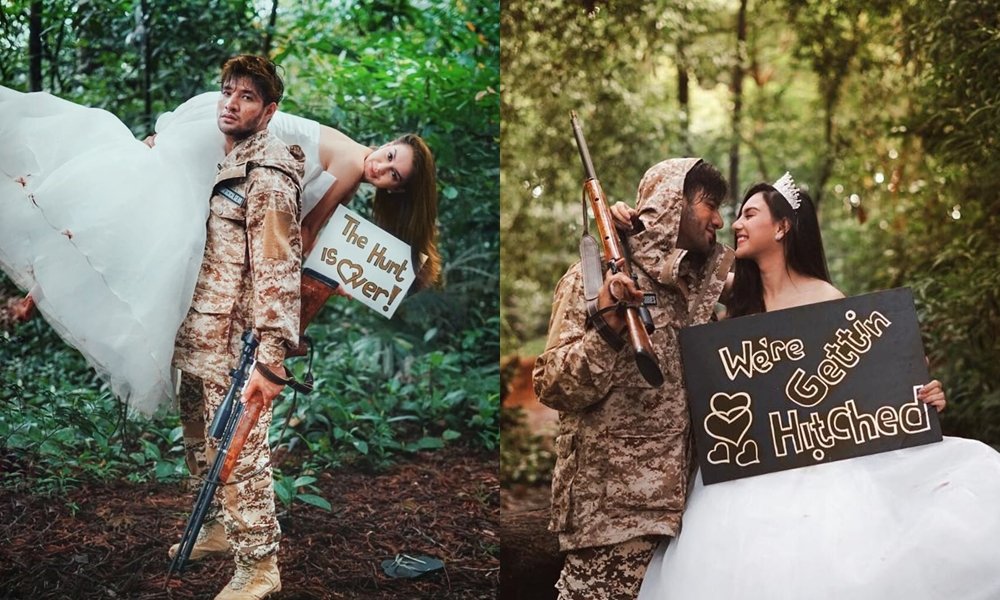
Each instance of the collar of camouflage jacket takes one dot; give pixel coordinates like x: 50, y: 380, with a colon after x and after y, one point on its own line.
x: 264, y: 150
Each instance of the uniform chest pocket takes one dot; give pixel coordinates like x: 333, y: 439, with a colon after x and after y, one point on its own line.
x: 229, y: 202
x: 226, y: 236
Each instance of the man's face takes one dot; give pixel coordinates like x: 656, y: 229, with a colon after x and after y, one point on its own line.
x: 241, y: 111
x: 700, y: 219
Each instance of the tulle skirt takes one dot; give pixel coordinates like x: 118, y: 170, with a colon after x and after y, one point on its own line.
x: 921, y: 523
x: 106, y: 233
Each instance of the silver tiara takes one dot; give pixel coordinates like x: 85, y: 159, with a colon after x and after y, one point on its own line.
x: 787, y: 188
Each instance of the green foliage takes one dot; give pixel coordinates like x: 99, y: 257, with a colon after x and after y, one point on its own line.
x: 58, y: 426
x: 956, y: 46
x: 380, y: 393
x: 524, y: 457
x: 111, y: 55
x: 288, y: 489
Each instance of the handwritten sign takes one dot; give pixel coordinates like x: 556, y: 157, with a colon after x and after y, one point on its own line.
x: 807, y: 385
x: 373, y: 267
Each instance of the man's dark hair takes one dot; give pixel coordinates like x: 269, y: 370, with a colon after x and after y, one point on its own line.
x: 261, y: 71
x: 705, y: 178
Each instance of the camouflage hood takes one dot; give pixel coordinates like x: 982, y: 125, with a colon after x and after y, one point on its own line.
x: 659, y: 201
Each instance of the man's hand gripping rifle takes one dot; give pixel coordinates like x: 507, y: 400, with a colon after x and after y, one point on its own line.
x: 638, y: 321
x: 231, y: 426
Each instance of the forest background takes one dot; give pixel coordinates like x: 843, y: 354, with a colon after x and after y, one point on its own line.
x: 374, y: 69
x: 887, y: 111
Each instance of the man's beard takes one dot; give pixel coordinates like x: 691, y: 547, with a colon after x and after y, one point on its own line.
x: 246, y: 131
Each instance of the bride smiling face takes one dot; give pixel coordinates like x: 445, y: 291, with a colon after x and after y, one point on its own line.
x: 756, y: 230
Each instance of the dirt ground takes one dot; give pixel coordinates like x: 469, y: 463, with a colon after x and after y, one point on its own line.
x: 109, y: 541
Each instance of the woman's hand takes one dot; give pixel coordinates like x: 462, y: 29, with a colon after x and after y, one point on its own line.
x: 933, y: 394
x: 150, y: 140
x: 22, y: 309
x: 623, y: 215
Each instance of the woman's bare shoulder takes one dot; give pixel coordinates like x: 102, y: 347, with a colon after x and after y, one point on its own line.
x: 824, y: 290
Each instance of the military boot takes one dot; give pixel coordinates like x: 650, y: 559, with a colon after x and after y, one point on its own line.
x: 254, y: 581
x: 211, y: 542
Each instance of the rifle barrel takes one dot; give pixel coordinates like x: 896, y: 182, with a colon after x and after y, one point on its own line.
x: 614, y: 250
x: 581, y: 145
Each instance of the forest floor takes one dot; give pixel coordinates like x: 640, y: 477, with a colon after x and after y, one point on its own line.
x: 109, y: 540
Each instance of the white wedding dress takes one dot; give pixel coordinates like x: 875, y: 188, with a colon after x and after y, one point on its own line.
x: 921, y: 523
x: 108, y: 234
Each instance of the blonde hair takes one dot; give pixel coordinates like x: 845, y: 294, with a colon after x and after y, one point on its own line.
x: 411, y: 214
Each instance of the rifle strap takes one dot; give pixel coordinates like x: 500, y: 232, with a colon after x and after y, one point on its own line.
x: 596, y: 320
x: 304, y: 387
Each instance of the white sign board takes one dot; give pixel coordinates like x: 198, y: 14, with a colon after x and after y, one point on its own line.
x: 372, y: 266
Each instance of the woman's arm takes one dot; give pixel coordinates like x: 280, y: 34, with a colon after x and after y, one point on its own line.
x: 343, y: 158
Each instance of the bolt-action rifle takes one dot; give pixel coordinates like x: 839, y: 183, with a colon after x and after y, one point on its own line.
x: 637, y: 318
x: 231, y: 426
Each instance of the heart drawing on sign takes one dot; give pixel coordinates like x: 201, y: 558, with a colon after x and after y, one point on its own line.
x: 719, y: 455
x: 748, y: 455
x: 730, y: 418
x: 353, y: 268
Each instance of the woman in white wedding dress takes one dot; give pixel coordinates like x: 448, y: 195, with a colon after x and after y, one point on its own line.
x: 921, y: 523
x: 107, y: 233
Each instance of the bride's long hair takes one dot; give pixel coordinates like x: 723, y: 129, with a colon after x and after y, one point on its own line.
x: 803, y: 245
x: 411, y: 214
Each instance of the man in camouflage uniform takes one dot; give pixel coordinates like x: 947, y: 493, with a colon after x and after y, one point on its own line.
x: 624, y: 449
x: 249, y: 279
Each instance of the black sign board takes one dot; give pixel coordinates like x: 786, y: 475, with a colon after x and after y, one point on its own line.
x: 807, y: 385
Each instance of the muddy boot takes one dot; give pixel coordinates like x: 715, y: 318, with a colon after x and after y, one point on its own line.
x: 253, y: 582
x: 211, y: 542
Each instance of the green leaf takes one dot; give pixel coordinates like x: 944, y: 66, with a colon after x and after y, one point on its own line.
x: 450, y: 434
x: 315, y: 501
x: 164, y: 470
x: 304, y: 480
x: 430, y: 443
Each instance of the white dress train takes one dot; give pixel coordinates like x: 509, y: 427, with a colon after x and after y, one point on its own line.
x: 920, y: 523
x: 108, y: 234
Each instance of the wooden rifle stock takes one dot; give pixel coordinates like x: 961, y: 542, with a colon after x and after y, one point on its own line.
x: 614, y: 253
x: 315, y: 293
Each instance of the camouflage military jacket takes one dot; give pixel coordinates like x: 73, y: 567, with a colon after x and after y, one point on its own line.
x: 250, y: 274
x: 624, y: 449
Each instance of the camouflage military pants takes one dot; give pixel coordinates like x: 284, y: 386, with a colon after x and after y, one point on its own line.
x: 247, y: 507
x: 606, y: 572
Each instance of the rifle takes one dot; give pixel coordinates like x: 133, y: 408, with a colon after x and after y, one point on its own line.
x: 231, y: 426
x: 637, y: 318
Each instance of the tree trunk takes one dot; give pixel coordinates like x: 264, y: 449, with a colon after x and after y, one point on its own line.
x: 530, y: 561
x: 35, y: 46
x: 683, y: 97
x: 147, y: 60
x: 737, y: 88
x: 269, y: 32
